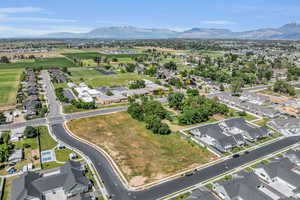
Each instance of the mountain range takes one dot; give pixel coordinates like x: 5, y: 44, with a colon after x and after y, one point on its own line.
x: 289, y: 31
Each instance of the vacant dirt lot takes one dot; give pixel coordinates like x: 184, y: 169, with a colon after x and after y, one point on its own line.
x: 142, y: 156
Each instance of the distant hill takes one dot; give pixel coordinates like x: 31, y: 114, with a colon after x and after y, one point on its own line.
x: 288, y: 31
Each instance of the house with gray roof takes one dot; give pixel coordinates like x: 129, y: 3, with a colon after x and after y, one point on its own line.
x: 282, y: 175
x: 68, y: 94
x: 289, y: 126
x: 239, y: 125
x: 264, y: 111
x: 201, y: 194
x: 16, y: 156
x: 228, y: 134
x: 293, y: 156
x: 213, y: 135
x: 243, y: 186
x: 63, y: 183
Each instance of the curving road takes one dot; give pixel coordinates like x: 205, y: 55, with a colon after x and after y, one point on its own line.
x: 118, y: 190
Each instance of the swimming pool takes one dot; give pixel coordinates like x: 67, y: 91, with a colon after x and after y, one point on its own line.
x: 47, y: 156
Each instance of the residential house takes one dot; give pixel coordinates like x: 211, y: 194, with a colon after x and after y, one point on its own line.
x: 243, y: 186
x: 31, y: 104
x: 201, y: 194
x: 16, y: 134
x: 63, y: 183
x: 289, y: 126
x: 16, y: 156
x: 240, y: 126
x: 213, y: 135
x: 293, y: 156
x: 67, y: 93
x: 282, y: 175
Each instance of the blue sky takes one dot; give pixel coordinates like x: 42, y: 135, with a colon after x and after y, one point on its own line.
x: 34, y: 17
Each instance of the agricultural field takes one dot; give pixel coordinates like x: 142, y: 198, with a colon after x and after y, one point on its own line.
x: 142, y: 156
x: 82, y: 55
x: 41, y: 62
x: 10, y: 76
x: 96, y: 79
x: 9, y: 81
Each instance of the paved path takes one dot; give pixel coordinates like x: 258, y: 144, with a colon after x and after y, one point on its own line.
x: 54, y: 104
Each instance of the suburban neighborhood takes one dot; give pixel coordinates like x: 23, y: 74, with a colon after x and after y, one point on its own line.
x: 172, y: 112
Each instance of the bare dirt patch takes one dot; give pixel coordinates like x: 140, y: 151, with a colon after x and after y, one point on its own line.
x: 142, y: 156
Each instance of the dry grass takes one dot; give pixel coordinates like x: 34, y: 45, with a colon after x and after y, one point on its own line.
x: 142, y: 156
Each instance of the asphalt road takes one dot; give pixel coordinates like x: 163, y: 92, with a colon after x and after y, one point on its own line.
x: 95, y: 112
x: 54, y: 105
x: 33, y: 122
x: 118, y: 191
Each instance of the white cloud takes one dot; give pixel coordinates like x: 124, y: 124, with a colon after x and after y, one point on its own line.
x: 7, y: 15
x: 218, y: 22
x: 5, y: 18
x: 20, y: 10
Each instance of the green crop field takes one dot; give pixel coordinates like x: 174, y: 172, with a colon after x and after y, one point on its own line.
x: 83, y: 55
x: 9, y: 81
x: 122, y: 55
x: 10, y: 75
x: 96, y: 79
x: 92, y: 55
x: 42, y: 62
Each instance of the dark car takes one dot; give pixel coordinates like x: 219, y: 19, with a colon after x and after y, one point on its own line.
x: 236, y: 156
x: 188, y: 174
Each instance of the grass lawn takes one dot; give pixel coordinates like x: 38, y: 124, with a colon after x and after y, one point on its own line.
x: 62, y: 155
x: 142, y: 156
x: 90, y: 176
x: 183, y: 196
x: 60, y: 85
x: 50, y: 165
x: 7, y: 187
x: 261, y: 122
x: 46, y: 141
x: 96, y: 79
x: 9, y: 81
x: 237, y: 113
x: 72, y: 109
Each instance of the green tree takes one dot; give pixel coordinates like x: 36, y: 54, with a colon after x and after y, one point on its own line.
x: 4, y: 152
x: 176, y: 100
x: 4, y: 59
x: 30, y: 132
x: 236, y: 87
x: 170, y: 66
x: 222, y: 88
x: 136, y: 111
x: 192, y: 92
x: 5, y: 136
x: 2, y: 118
x: 282, y: 86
